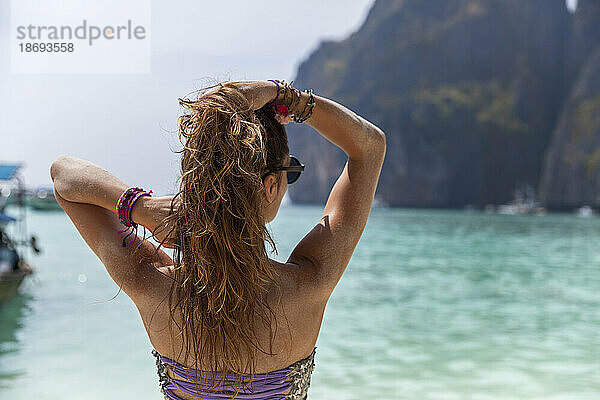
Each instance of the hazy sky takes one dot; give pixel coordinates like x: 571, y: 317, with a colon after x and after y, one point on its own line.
x: 126, y: 122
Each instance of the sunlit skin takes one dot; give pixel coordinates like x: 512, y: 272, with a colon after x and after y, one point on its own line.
x: 274, y: 192
x: 88, y: 194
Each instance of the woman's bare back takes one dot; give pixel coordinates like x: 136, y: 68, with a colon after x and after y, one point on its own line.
x: 298, y: 321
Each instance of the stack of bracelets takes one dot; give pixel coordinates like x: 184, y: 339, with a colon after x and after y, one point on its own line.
x: 124, y: 207
x: 284, y: 109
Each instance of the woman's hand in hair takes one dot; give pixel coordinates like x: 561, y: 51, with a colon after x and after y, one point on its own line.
x: 258, y: 93
x: 283, y: 120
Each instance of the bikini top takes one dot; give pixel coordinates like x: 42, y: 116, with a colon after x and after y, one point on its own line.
x: 266, y: 386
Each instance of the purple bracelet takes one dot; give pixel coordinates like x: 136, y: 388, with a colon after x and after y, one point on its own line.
x: 124, y: 208
x: 123, y: 199
x: 132, y: 202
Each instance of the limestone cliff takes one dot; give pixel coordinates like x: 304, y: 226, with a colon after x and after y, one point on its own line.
x: 571, y: 175
x: 467, y: 91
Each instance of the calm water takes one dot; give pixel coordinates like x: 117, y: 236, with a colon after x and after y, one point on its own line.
x: 434, y: 305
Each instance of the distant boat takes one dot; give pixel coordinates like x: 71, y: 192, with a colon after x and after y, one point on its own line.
x: 585, y: 211
x: 521, y: 208
x: 43, y: 199
x: 13, y: 267
x: 378, y: 202
x: 523, y: 203
x: 10, y: 280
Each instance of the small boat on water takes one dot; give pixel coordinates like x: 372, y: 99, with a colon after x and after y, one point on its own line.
x: 42, y: 199
x: 524, y: 203
x: 13, y: 267
x: 379, y: 202
x: 585, y: 212
x: 11, y: 275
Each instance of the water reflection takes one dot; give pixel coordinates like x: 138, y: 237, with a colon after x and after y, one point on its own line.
x: 12, y: 317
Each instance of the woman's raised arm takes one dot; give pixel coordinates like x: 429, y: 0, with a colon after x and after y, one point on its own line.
x: 328, y: 247
x: 80, y: 181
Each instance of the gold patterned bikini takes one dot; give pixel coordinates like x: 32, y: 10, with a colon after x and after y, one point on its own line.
x: 267, y: 386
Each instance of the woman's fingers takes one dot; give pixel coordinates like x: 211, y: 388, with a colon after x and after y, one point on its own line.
x: 283, y: 120
x: 258, y: 93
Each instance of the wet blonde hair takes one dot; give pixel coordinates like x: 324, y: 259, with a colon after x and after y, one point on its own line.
x: 222, y: 270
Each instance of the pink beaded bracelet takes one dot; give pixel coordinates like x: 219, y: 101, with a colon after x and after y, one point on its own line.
x: 125, y: 206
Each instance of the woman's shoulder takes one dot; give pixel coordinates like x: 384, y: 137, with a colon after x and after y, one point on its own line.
x: 297, y: 281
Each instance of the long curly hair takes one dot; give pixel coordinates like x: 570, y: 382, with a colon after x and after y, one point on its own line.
x: 222, y: 271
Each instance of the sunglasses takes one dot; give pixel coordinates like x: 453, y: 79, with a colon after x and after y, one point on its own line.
x: 293, y: 170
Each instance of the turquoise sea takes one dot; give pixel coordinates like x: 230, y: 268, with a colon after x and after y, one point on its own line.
x: 435, y: 304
